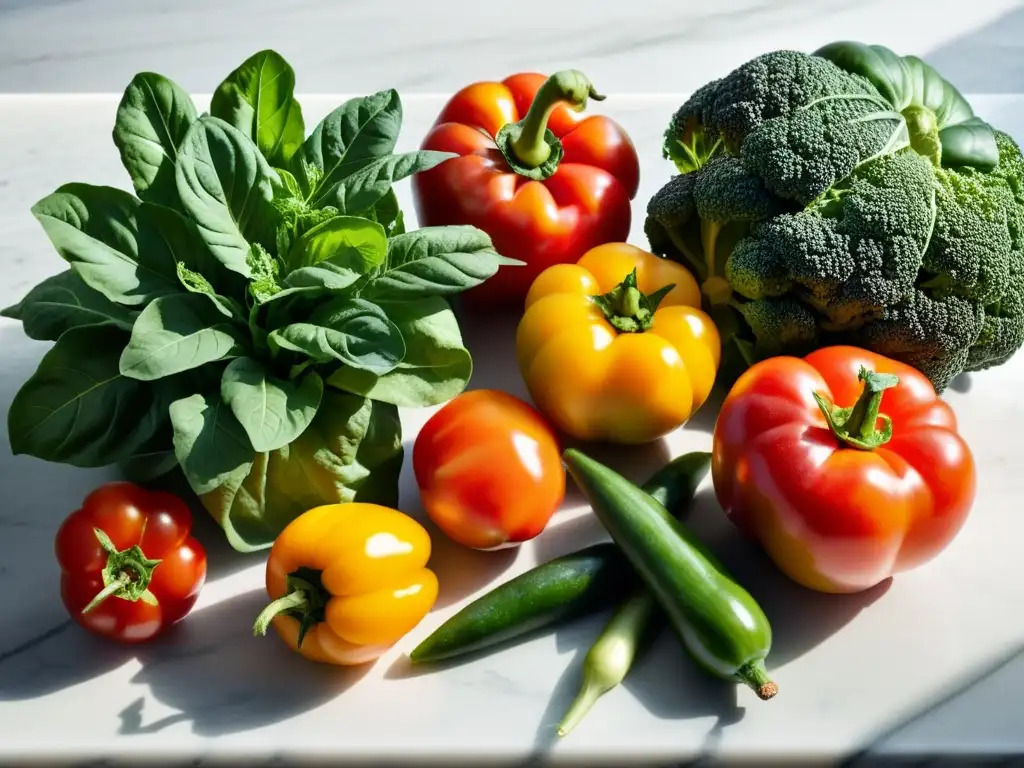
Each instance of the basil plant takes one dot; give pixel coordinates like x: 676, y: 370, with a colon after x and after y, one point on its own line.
x: 255, y: 313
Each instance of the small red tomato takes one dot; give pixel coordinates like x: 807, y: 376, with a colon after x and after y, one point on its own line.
x: 489, y: 470
x: 130, y: 567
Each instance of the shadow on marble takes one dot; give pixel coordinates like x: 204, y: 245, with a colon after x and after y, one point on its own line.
x: 801, y: 618
x: 966, y: 708
x: 65, y: 656
x: 962, y: 383
x: 693, y: 694
x: 460, y: 571
x: 491, y: 339
x: 987, y: 60
x: 204, y: 669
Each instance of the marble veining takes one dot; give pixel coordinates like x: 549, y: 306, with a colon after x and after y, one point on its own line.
x: 647, y: 46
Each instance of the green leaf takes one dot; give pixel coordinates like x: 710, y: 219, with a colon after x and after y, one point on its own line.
x: 434, y: 261
x: 388, y: 213
x: 168, y: 239
x: 272, y: 411
x: 209, y: 443
x: 152, y: 119
x: 178, y: 333
x: 436, y: 366
x: 96, y: 230
x: 193, y: 282
x: 353, y: 331
x: 147, y: 467
x: 62, y: 302
x: 227, y: 187
x: 258, y: 99
x: 351, y: 137
x: 78, y: 409
x: 352, y: 451
x: 349, y: 246
x: 361, y: 190
x: 327, y: 277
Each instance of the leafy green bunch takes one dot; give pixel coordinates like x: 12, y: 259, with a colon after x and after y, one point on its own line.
x: 256, y: 313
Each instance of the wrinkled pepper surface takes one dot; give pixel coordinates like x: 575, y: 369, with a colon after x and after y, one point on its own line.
x: 545, y: 182
x: 130, y: 567
x: 615, y: 347
x: 347, y: 582
x: 845, y: 465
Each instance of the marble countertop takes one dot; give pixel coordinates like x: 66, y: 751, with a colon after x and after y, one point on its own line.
x: 907, y: 667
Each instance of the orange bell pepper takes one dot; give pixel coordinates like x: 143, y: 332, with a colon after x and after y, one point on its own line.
x: 615, y: 347
x: 348, y: 581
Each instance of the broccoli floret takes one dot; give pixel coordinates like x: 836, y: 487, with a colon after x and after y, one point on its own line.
x: 799, y: 122
x: 671, y: 226
x: 780, y: 326
x: 775, y: 84
x: 725, y: 190
x: 728, y: 199
x: 931, y: 334
x: 688, y: 142
x: 852, y: 254
x: 803, y: 155
x: 969, y: 253
x: 1002, y: 329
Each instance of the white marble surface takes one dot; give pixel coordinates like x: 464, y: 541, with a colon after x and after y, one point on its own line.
x: 871, y: 672
x: 641, y: 46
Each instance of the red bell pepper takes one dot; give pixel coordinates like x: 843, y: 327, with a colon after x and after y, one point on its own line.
x: 130, y: 567
x: 845, y: 465
x: 547, y: 188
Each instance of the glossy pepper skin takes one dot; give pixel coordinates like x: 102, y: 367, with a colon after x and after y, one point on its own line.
x: 489, y: 469
x: 615, y: 347
x: 347, y: 581
x: 545, y: 182
x: 130, y: 568
x: 839, y: 499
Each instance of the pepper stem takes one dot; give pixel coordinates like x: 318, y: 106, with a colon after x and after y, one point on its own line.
x: 126, y: 575
x: 857, y: 426
x: 305, y: 601
x: 756, y: 676
x: 293, y: 601
x: 530, y: 148
x: 627, y: 308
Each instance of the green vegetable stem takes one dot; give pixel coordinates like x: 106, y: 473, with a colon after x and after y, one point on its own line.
x: 719, y: 623
x: 255, y: 313
x: 560, y: 589
x: 638, y: 619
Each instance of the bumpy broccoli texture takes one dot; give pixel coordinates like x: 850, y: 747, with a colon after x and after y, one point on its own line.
x: 848, y: 196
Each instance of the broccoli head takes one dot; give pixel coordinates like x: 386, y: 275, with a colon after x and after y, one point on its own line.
x: 933, y: 335
x: 852, y: 196
x: 851, y: 254
x: 799, y: 122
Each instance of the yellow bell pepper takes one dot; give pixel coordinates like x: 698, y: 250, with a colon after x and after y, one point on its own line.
x: 615, y: 347
x: 347, y: 581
